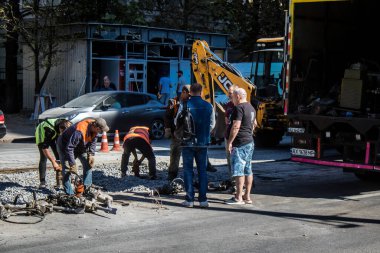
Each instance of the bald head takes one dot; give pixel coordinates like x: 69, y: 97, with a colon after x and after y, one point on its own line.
x: 239, y: 96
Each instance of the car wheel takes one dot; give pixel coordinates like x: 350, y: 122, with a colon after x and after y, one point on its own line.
x: 157, y: 129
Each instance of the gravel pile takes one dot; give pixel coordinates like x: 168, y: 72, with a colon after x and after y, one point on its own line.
x: 107, y: 176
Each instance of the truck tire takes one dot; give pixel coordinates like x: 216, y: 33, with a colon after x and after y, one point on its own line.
x: 268, y: 139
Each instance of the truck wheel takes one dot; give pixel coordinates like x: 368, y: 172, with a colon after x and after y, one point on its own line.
x: 268, y: 138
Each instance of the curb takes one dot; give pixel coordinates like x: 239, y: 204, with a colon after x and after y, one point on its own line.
x: 19, y: 140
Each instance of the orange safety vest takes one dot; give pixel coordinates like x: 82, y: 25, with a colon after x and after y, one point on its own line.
x: 83, y: 128
x: 138, y: 132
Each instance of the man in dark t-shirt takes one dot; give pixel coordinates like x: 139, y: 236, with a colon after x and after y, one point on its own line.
x: 240, y: 145
x: 229, y: 108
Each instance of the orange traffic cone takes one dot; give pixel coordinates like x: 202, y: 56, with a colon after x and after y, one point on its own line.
x: 104, y: 145
x: 116, y: 142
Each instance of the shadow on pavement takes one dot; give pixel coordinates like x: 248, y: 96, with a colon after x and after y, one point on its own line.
x: 330, y: 220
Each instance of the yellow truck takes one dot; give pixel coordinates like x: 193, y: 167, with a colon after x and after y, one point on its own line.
x: 332, y: 84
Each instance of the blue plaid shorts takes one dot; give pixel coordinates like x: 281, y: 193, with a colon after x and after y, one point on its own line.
x: 241, y: 160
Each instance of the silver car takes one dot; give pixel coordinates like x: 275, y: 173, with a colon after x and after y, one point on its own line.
x: 122, y: 110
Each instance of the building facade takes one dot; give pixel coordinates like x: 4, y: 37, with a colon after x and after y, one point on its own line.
x: 133, y: 57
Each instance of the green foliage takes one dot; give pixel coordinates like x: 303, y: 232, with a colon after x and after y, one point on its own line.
x: 245, y: 21
x: 110, y: 11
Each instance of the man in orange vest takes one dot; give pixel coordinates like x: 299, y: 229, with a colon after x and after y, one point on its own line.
x: 79, y: 141
x: 138, y: 138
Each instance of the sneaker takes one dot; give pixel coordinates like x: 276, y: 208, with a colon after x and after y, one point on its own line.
x: 188, y: 203
x: 42, y: 186
x: 234, y: 201
x: 203, y: 204
x: 230, y: 190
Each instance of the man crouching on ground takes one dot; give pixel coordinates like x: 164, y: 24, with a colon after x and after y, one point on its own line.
x: 79, y: 141
x: 138, y: 138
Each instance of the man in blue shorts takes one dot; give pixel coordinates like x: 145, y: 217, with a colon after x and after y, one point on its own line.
x: 240, y: 145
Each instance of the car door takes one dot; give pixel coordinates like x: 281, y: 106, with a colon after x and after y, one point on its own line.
x: 152, y: 110
x: 133, y: 113
x: 111, y: 110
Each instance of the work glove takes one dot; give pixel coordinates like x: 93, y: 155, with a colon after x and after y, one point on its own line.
x: 168, y: 133
x: 91, y: 160
x: 73, y: 169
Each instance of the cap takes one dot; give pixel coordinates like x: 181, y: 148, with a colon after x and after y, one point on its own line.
x: 186, y: 87
x: 100, y: 122
x: 180, y: 71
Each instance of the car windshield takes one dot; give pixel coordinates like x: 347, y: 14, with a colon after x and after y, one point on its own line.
x: 86, y: 100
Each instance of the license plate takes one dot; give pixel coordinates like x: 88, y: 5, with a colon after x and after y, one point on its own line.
x: 302, y: 152
x: 296, y: 130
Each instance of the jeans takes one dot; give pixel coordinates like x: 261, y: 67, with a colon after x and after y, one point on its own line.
x: 87, y: 171
x: 200, y: 155
x: 175, y: 155
x: 164, y: 98
x: 43, y: 160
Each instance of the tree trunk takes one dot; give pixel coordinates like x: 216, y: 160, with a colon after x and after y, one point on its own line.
x: 37, y: 84
x: 12, y: 101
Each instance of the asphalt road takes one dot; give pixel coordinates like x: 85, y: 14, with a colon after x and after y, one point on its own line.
x: 297, y: 208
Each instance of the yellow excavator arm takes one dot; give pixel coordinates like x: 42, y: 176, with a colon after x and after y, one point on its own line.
x: 209, y: 70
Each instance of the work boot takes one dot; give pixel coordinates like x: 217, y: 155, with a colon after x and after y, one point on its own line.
x: 42, y: 185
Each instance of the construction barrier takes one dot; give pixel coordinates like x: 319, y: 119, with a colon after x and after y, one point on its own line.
x: 116, y: 142
x: 104, y: 145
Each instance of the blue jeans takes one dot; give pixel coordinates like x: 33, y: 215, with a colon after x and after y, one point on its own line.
x: 241, y: 160
x: 87, y: 171
x: 200, y: 155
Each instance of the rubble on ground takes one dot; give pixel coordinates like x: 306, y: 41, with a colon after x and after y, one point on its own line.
x: 107, y: 176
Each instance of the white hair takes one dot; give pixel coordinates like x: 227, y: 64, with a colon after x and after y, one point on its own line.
x: 241, y: 92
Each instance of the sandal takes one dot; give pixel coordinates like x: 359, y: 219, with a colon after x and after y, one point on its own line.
x: 248, y: 201
x: 234, y: 201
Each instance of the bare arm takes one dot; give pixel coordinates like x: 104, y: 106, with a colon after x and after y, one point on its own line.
x: 254, y: 125
x: 234, y: 131
x: 226, y: 120
x: 51, y: 158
